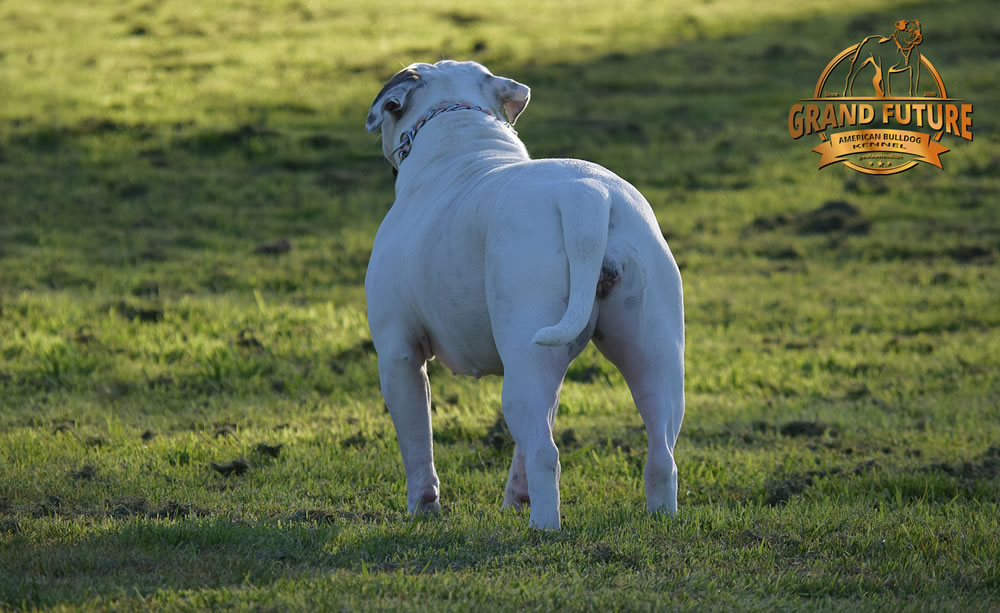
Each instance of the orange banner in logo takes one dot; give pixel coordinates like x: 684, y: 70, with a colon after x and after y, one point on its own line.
x: 843, y: 144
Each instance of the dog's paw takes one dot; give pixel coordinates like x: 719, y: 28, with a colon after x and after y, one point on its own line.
x: 516, y: 502
x: 427, y: 507
x: 427, y: 503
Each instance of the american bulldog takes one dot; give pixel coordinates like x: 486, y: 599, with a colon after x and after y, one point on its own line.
x: 498, y: 264
x: 901, y: 56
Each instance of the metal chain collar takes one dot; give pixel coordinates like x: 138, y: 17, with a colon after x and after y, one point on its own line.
x: 406, y: 138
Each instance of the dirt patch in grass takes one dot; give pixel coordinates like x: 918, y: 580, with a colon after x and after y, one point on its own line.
x: 603, y: 553
x: 584, y: 374
x: 972, y: 254
x: 131, y: 191
x: 66, y: 425
x: 224, y: 430
x: 231, y: 469
x: 129, y: 507
x: 122, y: 508
x: 455, y: 430
x: 834, y: 216
x: 498, y: 435
x: 361, y: 351
x: 360, y: 439
x: 275, y: 247
x: 461, y: 19
x: 51, y: 507
x: 804, y: 429
x: 984, y: 468
x: 568, y: 440
x: 87, y: 473
x: 248, y: 139
x: 139, y: 507
x: 779, y: 489
x: 246, y: 340
x: 142, y: 313
x: 271, y: 451
x: 780, y: 252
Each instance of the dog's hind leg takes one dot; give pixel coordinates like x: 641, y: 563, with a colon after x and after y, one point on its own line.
x: 530, y: 396
x: 532, y: 380
x: 516, y: 494
x: 640, y: 329
x: 406, y: 389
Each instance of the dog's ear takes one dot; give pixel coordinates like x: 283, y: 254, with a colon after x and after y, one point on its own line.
x: 392, y: 98
x: 511, y: 95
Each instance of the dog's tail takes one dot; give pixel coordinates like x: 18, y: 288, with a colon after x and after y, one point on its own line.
x: 584, y: 217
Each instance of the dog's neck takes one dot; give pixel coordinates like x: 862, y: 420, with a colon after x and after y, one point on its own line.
x: 407, y: 137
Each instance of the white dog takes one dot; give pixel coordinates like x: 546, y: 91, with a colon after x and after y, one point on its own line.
x: 499, y: 264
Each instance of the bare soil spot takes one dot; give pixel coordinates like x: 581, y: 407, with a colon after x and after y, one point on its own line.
x: 131, y: 191
x: 276, y: 247
x: 249, y: 139
x: 68, y: 426
x: 778, y: 489
x: 87, y: 473
x: 234, y: 468
x: 360, y: 439
x: 363, y: 349
x: 498, y: 435
x: 142, y: 313
x: 568, y: 438
x: 272, y: 451
x: 804, y: 428
x: 319, y: 141
x: 971, y: 254
x: 246, y: 340
x: 781, y: 252
x: 584, y: 374
x: 224, y: 430
x: 986, y: 467
x: 129, y: 507
x: 461, y: 19
x: 833, y: 217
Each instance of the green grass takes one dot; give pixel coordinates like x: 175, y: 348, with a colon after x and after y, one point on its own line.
x: 840, y: 448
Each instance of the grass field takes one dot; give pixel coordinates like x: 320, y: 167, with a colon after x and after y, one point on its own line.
x: 189, y: 407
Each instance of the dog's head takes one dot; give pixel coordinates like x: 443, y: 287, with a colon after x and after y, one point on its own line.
x: 908, y: 32
x: 417, y: 88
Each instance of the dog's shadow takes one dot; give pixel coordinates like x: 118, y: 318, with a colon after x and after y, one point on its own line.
x: 133, y: 556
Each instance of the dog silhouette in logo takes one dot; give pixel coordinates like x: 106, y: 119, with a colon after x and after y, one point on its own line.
x: 889, y: 55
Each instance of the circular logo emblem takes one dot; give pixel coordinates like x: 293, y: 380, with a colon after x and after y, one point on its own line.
x: 880, y: 107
